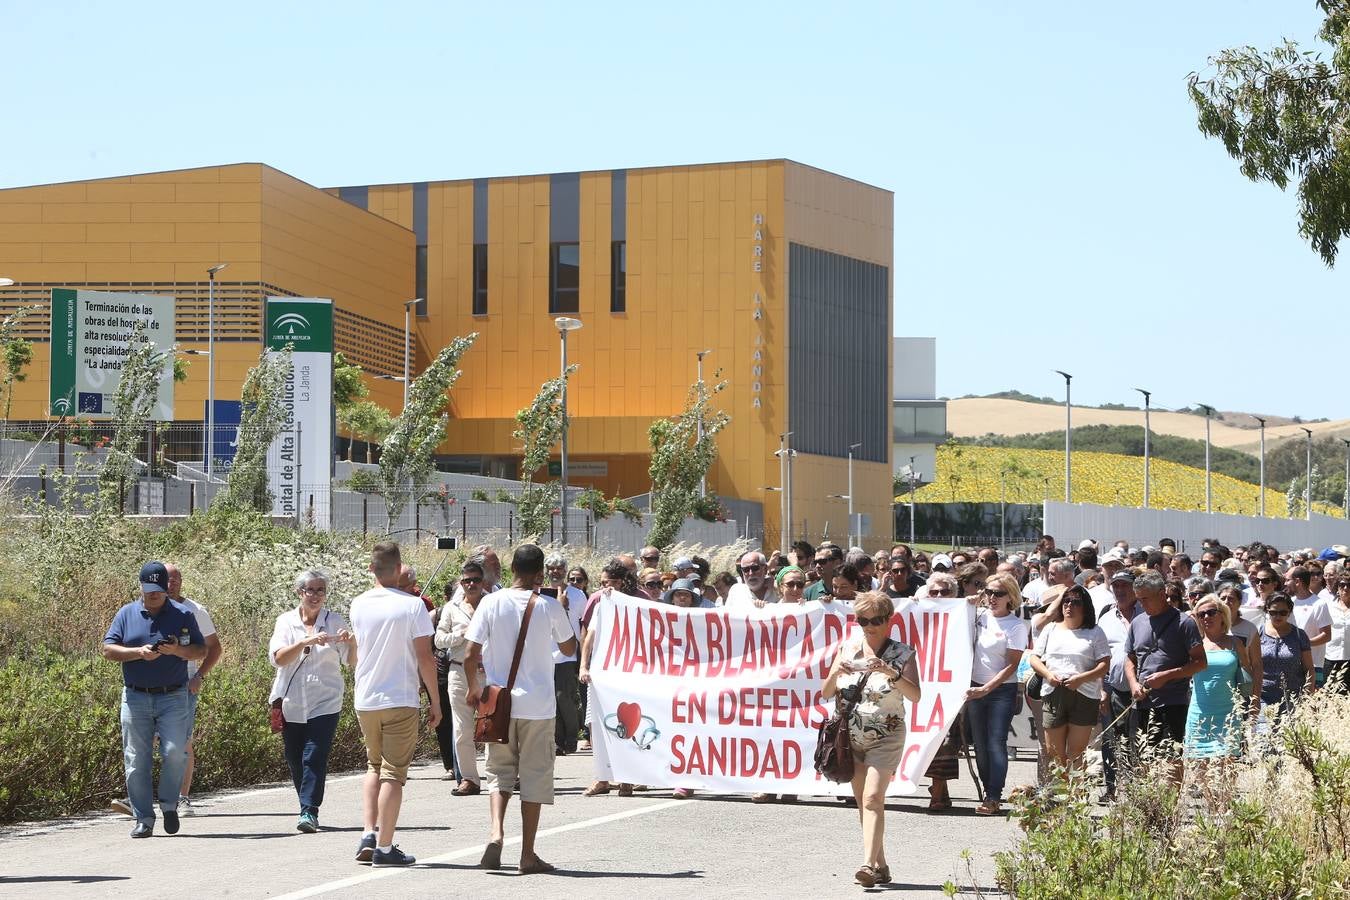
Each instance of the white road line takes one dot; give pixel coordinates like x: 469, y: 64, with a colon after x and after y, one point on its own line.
x: 477, y: 849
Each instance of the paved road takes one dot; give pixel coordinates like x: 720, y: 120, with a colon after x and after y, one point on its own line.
x: 648, y: 846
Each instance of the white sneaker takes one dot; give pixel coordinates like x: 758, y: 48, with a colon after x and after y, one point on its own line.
x: 185, y: 807
x: 121, y: 805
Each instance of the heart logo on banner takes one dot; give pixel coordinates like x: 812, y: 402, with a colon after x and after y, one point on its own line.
x: 630, y: 717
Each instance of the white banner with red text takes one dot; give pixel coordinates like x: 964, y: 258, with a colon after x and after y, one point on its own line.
x: 730, y: 700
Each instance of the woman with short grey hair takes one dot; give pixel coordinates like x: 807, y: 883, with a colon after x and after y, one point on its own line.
x: 309, y: 646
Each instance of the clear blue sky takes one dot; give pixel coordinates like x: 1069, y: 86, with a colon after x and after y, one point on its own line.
x: 1055, y: 205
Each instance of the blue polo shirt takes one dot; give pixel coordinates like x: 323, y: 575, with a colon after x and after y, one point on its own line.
x: 133, y: 626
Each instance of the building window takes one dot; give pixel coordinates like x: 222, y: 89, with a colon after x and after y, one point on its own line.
x: 618, y: 269
x: 564, y: 278
x: 480, y: 279
x: 421, y: 281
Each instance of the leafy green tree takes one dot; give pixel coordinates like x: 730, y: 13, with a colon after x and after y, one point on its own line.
x: 15, y: 352
x: 133, y: 402
x: 365, y: 419
x: 406, y: 460
x: 539, y: 427
x: 261, y: 418
x: 680, y: 461
x: 1283, y: 114
x: 348, y: 387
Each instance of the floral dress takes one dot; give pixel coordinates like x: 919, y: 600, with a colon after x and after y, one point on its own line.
x: 877, y: 720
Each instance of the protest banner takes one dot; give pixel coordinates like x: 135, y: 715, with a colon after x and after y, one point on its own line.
x: 730, y: 701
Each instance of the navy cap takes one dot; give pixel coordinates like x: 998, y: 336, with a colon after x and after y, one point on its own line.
x: 154, y: 577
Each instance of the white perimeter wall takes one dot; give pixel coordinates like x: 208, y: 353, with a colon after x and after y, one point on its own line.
x: 1072, y: 522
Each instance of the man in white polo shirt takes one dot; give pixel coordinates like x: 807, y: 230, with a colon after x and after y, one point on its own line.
x: 393, y: 652
x: 527, y: 756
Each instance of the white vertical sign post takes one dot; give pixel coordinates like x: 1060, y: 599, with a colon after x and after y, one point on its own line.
x: 300, y: 461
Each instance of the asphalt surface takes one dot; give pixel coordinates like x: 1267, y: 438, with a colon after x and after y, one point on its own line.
x: 243, y: 844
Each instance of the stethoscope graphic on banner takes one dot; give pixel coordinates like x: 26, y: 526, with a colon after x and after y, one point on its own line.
x: 630, y: 724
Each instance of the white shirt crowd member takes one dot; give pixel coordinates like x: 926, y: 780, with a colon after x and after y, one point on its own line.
x: 312, y: 685
x: 501, y: 612
x: 386, y: 621
x: 576, y: 605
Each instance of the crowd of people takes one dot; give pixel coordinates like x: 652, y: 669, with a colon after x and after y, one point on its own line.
x: 1146, y: 651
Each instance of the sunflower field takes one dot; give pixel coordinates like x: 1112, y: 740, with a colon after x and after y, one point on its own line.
x: 967, y: 474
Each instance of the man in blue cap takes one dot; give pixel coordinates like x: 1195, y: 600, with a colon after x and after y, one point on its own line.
x: 153, y: 638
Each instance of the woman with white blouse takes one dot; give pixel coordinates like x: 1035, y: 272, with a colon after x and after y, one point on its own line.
x: 1000, y: 639
x: 1071, y: 655
x: 309, y: 646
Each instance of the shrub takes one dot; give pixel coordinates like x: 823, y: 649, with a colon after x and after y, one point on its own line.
x: 363, y: 482
x: 1274, y: 826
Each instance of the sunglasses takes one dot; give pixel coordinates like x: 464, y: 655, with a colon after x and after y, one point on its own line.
x: 576, y: 579
x: 1206, y: 613
x: 651, y: 559
x: 651, y: 584
x: 875, y: 620
x: 1282, y: 613
x: 940, y: 592
x: 1071, y: 601
x: 993, y: 593
x: 794, y: 584
x: 1267, y: 581
x: 471, y: 580
x: 753, y: 567
x: 899, y: 570
x: 1194, y: 594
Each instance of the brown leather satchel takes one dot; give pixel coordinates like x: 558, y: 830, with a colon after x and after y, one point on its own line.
x: 492, y: 717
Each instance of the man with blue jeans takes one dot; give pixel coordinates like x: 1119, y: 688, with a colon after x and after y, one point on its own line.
x: 153, y: 638
x: 1119, y: 721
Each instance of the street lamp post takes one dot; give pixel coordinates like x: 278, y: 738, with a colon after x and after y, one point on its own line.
x: 1147, y: 481
x: 703, y: 481
x: 852, y: 542
x: 1209, y: 494
x: 1068, y: 439
x: 1307, y: 479
x: 1263, y: 464
x: 211, y: 369
x: 785, y: 454
x: 564, y: 325
x: 913, y: 477
x: 407, y: 345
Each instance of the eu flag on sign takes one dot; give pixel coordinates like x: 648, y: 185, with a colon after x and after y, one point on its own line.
x: 90, y: 402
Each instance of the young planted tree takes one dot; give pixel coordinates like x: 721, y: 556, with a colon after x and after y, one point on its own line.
x: 262, y: 416
x: 15, y: 352
x: 133, y: 403
x: 680, y: 461
x: 540, y: 427
x: 406, y: 460
x: 365, y: 419
x: 1283, y: 115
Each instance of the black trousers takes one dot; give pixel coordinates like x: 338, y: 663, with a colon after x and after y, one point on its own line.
x: 566, y: 689
x: 445, y: 730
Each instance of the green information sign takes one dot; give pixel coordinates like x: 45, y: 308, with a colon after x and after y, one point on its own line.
x: 305, y: 324
x: 91, y: 337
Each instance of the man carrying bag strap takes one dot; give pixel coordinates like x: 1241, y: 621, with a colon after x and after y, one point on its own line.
x: 514, y: 654
x: 492, y: 721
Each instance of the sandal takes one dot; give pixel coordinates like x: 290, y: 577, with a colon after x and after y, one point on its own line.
x: 625, y: 790
x: 492, y: 856
x: 467, y: 788
x: 536, y: 867
x: 595, y: 790
x: 866, y: 876
x: 936, y: 805
x: 883, y: 874
x: 989, y: 808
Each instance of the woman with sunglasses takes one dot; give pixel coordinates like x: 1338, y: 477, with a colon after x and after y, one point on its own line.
x: 1071, y: 655
x: 649, y: 580
x: 1265, y: 584
x: 309, y: 646
x: 1000, y: 639
x: 579, y: 579
x: 1213, y: 730
x: 451, y: 641
x: 791, y: 585
x: 1286, y: 658
x: 1249, y: 638
x: 877, y: 674
x: 615, y: 576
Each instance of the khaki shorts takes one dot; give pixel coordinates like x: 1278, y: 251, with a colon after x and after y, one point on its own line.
x: 882, y: 754
x: 526, y: 756
x: 391, y: 739
x: 1067, y: 707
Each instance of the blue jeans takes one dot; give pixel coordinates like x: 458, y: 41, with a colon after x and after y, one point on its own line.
x: 307, y: 745
x: 144, y: 716
x: 989, y: 719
